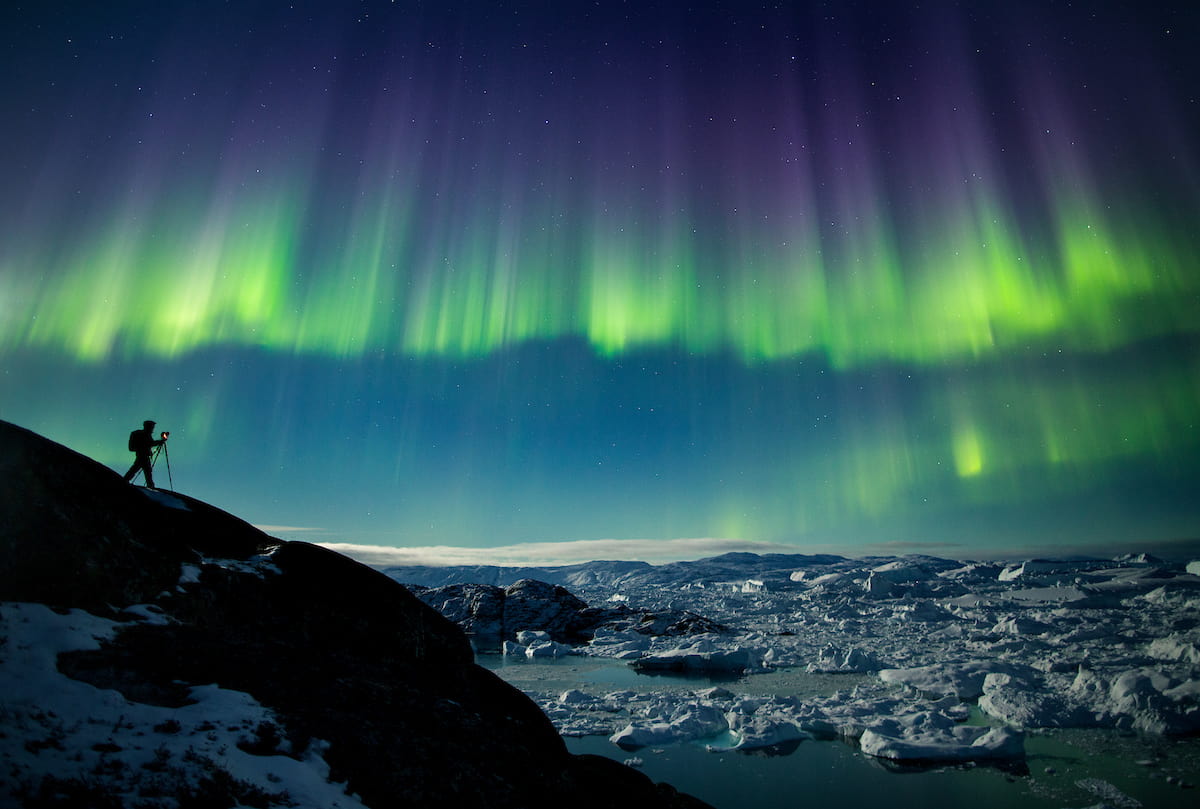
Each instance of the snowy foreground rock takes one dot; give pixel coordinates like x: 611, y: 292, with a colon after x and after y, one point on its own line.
x: 1024, y: 647
x: 158, y: 653
x: 69, y: 729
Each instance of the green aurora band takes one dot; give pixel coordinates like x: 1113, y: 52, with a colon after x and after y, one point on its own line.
x: 865, y: 317
x: 979, y: 290
x: 974, y: 286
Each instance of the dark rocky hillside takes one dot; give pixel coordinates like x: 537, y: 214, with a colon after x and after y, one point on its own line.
x: 337, y: 651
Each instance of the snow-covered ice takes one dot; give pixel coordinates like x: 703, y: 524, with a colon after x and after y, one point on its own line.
x: 924, y: 736
x: 703, y: 654
x: 963, y: 680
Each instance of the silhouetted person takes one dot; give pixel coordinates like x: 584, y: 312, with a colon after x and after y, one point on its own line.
x: 142, y: 442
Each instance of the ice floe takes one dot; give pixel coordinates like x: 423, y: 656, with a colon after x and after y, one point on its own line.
x: 1042, y: 644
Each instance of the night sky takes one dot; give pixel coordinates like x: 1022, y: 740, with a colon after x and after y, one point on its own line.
x: 843, y: 276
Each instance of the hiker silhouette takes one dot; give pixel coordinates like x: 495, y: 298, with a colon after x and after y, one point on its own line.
x: 142, y: 442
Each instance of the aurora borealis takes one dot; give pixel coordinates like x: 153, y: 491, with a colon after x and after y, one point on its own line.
x: 830, y: 275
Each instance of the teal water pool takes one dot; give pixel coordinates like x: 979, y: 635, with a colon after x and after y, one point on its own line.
x: 1071, y: 769
x: 1061, y: 770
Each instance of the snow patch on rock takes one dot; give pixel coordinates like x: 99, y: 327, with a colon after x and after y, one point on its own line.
x: 70, y: 730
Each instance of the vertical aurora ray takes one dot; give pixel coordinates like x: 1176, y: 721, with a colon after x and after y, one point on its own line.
x: 819, y: 273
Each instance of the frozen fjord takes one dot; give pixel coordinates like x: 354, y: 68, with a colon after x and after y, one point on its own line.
x: 941, y: 661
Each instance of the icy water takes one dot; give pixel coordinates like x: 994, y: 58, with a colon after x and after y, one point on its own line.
x: 1062, y: 769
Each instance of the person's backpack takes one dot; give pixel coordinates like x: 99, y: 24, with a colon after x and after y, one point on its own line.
x: 134, y: 440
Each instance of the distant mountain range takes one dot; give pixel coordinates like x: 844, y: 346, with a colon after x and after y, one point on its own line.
x: 772, y: 568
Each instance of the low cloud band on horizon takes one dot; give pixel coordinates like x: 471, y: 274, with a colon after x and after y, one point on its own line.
x: 286, y: 529
x: 550, y: 554
x: 661, y: 551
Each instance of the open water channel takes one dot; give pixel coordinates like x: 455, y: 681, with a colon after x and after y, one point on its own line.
x: 1061, y: 770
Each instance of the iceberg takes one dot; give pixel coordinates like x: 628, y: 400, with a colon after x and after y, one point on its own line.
x: 701, y: 655
x: 688, y: 722
x: 963, y: 680
x: 960, y: 743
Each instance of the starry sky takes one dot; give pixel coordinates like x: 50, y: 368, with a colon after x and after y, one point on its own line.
x: 845, y: 276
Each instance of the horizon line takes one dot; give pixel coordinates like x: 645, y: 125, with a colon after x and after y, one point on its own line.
x: 681, y: 549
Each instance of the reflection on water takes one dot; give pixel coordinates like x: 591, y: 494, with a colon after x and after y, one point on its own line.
x: 554, y: 674
x: 550, y: 674
x: 1076, y: 769
x: 1073, y: 768
x: 817, y: 774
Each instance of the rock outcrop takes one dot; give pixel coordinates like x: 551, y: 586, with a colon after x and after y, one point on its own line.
x: 492, y: 615
x: 344, y: 657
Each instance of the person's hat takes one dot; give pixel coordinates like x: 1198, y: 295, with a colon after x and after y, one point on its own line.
x: 147, y: 424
